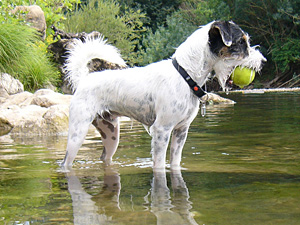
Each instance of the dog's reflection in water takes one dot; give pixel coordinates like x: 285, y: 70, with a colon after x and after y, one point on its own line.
x: 104, y: 207
x: 167, y: 209
x: 90, y: 209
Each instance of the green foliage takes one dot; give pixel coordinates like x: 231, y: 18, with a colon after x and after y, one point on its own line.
x: 287, y: 53
x: 161, y: 44
x: 21, y: 57
x: 54, y: 11
x: 123, y: 29
x: 275, y: 24
x: 200, y: 12
x: 156, y: 10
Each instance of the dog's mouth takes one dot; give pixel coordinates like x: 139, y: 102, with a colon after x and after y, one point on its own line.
x: 229, y: 83
x: 240, y: 77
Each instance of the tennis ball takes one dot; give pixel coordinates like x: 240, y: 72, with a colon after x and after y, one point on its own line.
x: 242, y: 76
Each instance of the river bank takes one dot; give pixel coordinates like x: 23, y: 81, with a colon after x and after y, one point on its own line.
x: 46, y: 112
x: 265, y: 90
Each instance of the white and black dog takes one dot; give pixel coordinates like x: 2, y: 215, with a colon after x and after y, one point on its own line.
x: 163, y: 96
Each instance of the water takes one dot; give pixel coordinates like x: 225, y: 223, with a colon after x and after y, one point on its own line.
x: 240, y: 166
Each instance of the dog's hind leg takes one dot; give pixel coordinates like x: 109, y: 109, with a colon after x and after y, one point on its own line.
x: 178, y: 139
x: 110, y: 133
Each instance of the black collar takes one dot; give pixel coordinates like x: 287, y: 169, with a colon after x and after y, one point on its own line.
x: 198, y: 91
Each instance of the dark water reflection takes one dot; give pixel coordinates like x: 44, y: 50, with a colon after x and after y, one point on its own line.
x: 240, y: 166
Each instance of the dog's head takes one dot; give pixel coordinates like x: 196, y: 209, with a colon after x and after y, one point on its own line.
x: 227, y: 40
x: 230, y: 45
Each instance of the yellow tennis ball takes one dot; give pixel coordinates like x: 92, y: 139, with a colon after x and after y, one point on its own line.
x: 242, y: 76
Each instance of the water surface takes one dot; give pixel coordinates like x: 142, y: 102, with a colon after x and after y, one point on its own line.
x: 240, y: 166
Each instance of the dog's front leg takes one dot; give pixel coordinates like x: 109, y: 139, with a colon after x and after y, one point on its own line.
x: 110, y: 137
x: 77, y: 132
x: 178, y: 139
x: 81, y: 117
x: 159, y: 144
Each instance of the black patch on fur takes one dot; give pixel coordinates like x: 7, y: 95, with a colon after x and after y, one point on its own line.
x: 224, y: 32
x: 103, y: 135
x: 97, y: 64
x: 109, y: 126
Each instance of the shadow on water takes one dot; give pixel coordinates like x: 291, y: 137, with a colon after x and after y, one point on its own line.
x: 240, y: 166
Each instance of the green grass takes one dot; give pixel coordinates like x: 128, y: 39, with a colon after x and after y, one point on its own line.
x: 24, y: 56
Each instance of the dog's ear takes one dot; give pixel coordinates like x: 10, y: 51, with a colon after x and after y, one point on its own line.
x: 221, y: 29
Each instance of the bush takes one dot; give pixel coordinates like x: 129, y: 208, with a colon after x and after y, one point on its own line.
x: 122, y: 29
x: 23, y: 56
x: 54, y: 11
x: 275, y: 25
x: 162, y: 44
x: 200, y: 12
x: 156, y: 10
x: 285, y: 54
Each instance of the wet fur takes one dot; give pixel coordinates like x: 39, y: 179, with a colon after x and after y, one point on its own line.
x: 155, y: 95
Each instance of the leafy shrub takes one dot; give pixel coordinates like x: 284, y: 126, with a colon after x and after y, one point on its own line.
x: 54, y: 11
x: 287, y: 53
x: 200, y: 12
x: 156, y: 11
x: 21, y: 57
x: 122, y: 29
x: 274, y: 24
x: 162, y: 44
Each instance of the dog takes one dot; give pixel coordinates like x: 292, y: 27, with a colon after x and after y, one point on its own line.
x: 163, y: 96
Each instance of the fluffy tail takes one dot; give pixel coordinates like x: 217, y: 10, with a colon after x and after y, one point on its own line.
x: 81, y: 54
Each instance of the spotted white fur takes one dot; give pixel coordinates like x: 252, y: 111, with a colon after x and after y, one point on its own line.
x: 155, y: 95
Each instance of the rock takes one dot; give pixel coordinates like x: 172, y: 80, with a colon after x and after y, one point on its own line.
x: 47, y: 98
x: 35, y: 120
x: 2, y: 101
x: 43, y: 113
x: 3, y: 93
x: 25, y: 120
x: 5, y: 126
x: 42, y: 97
x: 216, y: 99
x: 57, y: 119
x: 10, y: 84
x: 35, y: 16
x: 6, y: 139
x: 17, y: 99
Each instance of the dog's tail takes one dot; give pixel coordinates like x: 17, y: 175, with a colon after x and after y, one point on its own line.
x: 82, y: 53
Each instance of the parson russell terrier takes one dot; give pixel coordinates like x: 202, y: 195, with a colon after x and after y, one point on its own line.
x: 164, y: 96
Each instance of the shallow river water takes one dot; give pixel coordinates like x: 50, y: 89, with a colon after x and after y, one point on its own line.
x: 241, y: 165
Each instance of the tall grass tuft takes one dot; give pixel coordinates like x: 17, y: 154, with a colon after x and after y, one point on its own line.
x: 23, y: 56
